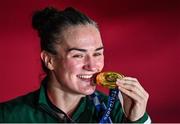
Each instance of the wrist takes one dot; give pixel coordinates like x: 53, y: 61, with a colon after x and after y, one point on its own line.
x: 143, y: 119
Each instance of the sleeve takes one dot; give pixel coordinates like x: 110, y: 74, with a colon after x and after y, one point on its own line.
x: 118, y: 116
x: 145, y: 119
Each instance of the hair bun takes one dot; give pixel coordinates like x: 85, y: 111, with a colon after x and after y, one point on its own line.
x: 41, y: 19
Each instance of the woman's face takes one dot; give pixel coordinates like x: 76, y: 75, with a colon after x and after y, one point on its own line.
x: 80, y: 56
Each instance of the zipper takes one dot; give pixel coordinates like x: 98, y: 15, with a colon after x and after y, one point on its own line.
x: 55, y: 115
x: 49, y: 111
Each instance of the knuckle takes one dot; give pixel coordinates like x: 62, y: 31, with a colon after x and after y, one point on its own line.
x: 147, y: 95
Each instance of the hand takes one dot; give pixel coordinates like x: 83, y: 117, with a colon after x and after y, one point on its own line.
x: 134, y: 97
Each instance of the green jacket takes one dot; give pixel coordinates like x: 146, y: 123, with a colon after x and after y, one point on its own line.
x: 36, y: 107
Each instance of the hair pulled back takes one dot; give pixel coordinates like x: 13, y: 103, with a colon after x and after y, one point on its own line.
x: 50, y: 23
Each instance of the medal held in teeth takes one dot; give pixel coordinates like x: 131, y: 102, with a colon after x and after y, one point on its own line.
x: 108, y: 79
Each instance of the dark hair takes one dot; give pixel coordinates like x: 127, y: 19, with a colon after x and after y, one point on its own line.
x: 50, y: 23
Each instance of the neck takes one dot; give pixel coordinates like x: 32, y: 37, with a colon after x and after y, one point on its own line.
x: 65, y: 101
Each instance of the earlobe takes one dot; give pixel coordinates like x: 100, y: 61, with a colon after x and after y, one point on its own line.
x: 47, y: 59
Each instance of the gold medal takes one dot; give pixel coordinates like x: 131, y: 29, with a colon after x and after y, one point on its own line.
x: 108, y: 79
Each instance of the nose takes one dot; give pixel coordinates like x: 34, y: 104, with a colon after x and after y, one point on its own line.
x: 90, y: 64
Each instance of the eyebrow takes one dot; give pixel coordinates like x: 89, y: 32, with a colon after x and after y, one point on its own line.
x: 83, y: 50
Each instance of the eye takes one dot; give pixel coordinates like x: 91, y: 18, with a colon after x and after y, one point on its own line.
x: 97, y: 54
x: 77, y: 56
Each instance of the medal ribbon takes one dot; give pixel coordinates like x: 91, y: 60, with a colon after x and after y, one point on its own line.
x: 113, y: 93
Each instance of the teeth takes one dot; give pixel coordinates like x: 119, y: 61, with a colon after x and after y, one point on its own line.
x: 85, y: 76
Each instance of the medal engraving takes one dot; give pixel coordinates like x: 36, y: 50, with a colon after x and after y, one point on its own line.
x: 108, y: 79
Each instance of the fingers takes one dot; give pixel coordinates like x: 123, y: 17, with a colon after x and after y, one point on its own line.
x: 134, y: 97
x: 134, y: 82
x: 131, y: 87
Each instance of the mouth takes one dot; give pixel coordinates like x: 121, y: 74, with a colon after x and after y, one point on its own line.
x: 87, y: 78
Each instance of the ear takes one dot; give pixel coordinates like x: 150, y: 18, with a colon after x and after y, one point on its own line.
x: 47, y: 59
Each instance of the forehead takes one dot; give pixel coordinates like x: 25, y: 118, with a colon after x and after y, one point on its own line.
x: 81, y: 36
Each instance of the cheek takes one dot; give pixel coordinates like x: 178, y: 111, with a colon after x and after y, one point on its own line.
x: 100, y: 63
x: 73, y: 65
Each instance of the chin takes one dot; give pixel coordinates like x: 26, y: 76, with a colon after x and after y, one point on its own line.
x: 88, y: 90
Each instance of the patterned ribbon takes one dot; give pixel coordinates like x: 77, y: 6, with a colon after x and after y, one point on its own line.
x: 101, y: 107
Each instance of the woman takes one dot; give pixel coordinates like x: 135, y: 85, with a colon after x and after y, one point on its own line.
x: 71, y: 53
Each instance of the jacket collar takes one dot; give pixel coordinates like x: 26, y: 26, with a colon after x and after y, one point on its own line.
x: 42, y: 93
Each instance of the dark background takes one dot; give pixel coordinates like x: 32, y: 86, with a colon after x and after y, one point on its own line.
x: 141, y: 39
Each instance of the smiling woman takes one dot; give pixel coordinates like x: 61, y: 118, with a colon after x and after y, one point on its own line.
x: 80, y: 55
x: 71, y: 54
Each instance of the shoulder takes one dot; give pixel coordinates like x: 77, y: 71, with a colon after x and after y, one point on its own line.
x: 17, y: 103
